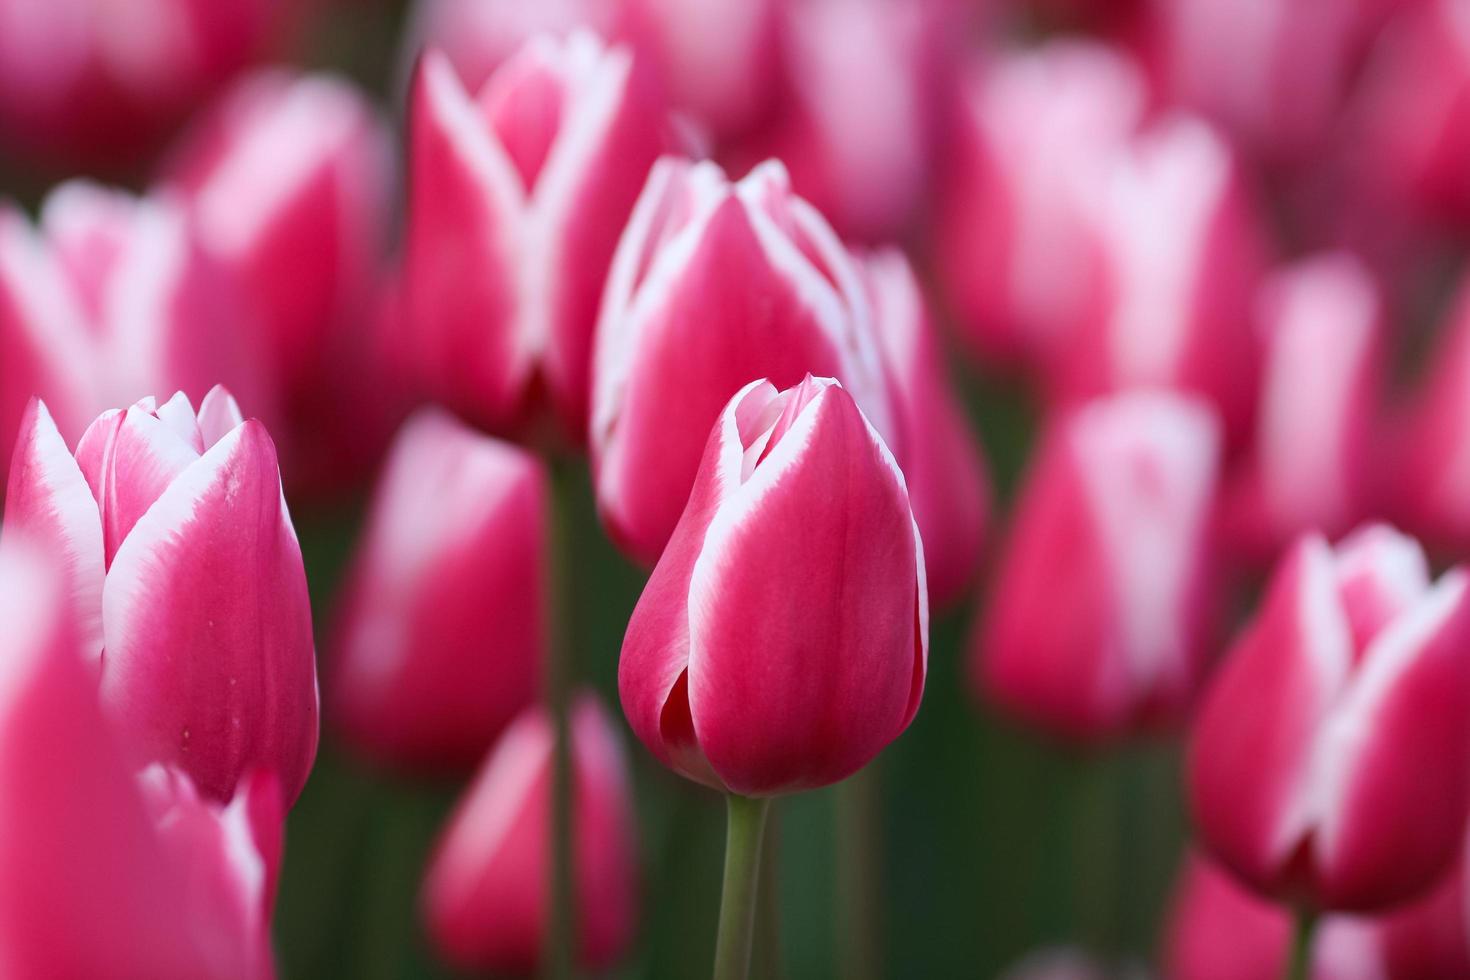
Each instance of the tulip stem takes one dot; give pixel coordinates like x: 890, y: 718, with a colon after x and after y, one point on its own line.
x: 1299, y: 967
x: 743, y: 834
x: 859, y: 950
x: 558, y: 954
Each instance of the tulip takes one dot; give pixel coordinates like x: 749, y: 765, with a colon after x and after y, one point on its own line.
x: 1353, y: 664
x: 104, y: 876
x: 516, y: 199
x: 110, y: 299
x: 948, y: 484
x: 1309, y: 464
x: 484, y: 893
x: 782, y: 640
x: 185, y: 574
x: 440, y: 636
x: 1101, y: 613
x: 713, y: 284
x: 1016, y: 251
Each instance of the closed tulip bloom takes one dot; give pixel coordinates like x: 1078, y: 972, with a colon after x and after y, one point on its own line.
x: 440, y: 634
x: 1099, y: 619
x: 484, y: 896
x: 1016, y: 251
x: 782, y: 640
x: 948, y: 483
x: 517, y: 196
x: 714, y: 283
x: 186, y: 578
x: 1354, y: 663
x: 1308, y: 467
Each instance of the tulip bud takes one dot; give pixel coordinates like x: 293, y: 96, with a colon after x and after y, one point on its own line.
x: 1309, y: 464
x: 948, y: 484
x: 713, y: 284
x: 1297, y: 776
x: 1100, y: 616
x: 783, y: 638
x: 1015, y: 246
x: 516, y: 199
x: 484, y: 895
x: 187, y: 577
x: 440, y: 635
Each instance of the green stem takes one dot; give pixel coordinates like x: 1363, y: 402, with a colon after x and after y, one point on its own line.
x: 1299, y: 967
x: 858, y: 921
x: 747, y: 825
x: 1098, y: 835
x: 766, y: 953
x: 559, y: 953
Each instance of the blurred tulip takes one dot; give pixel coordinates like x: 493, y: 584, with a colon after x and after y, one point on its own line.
x: 104, y: 877
x: 1100, y: 617
x: 948, y: 483
x: 1299, y: 772
x: 714, y: 284
x: 440, y: 633
x: 187, y: 581
x: 516, y: 200
x: 110, y: 299
x: 95, y: 82
x: 289, y: 182
x: 1309, y: 466
x: 783, y: 638
x: 1015, y: 247
x: 484, y: 894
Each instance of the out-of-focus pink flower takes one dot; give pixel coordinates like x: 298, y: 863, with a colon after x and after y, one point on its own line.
x: 1098, y: 623
x: 440, y: 634
x: 948, y: 483
x: 782, y: 640
x: 517, y: 196
x: 1330, y: 763
x: 1015, y: 247
x: 187, y: 583
x: 111, y: 299
x: 1219, y: 930
x: 485, y: 893
x: 1182, y: 257
x: 104, y: 877
x: 714, y: 283
x: 1309, y: 465
x: 98, y: 82
x: 288, y: 180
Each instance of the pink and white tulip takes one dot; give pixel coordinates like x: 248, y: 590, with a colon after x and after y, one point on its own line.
x: 484, y: 896
x: 517, y: 195
x: 1354, y: 663
x: 714, y: 283
x: 1100, y: 617
x: 186, y: 580
x: 440, y: 634
x: 783, y: 638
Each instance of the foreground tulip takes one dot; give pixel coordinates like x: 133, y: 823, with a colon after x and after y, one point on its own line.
x: 714, y: 283
x: 948, y: 484
x: 187, y: 581
x: 517, y: 196
x: 105, y: 876
x: 485, y: 893
x: 1099, y: 620
x: 1297, y: 774
x: 439, y: 640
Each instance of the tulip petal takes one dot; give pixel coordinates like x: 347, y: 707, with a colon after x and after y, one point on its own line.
x: 218, y: 415
x: 138, y: 463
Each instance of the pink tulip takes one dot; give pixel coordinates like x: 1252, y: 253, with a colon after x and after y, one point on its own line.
x: 1297, y: 771
x: 1100, y: 617
x: 440, y: 635
x: 104, y: 877
x: 1016, y: 250
x: 484, y: 896
x: 948, y: 484
x: 112, y: 298
x: 714, y: 283
x: 782, y: 640
x: 516, y: 199
x: 186, y: 580
x: 1308, y: 469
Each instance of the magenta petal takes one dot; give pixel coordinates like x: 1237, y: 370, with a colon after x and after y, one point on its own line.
x: 209, y: 662
x: 144, y: 457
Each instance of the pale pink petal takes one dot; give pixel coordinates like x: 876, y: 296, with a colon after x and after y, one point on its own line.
x: 218, y: 415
